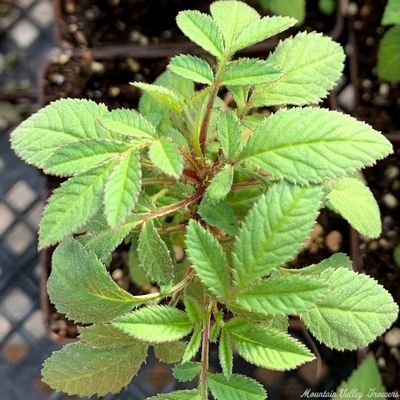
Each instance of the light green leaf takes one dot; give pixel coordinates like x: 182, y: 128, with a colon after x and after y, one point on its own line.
x: 310, y: 145
x: 225, y: 354
x: 154, y: 255
x: 337, y: 260
x: 122, y: 189
x: 187, y: 371
x: 282, y: 295
x: 262, y: 244
x: 82, y: 155
x: 171, y: 352
x: 73, y: 204
x: 391, y: 13
x: 202, y: 30
x: 220, y: 185
x: 365, y: 381
x: 193, y: 68
x: 193, y: 309
x: 267, y: 347
x: 242, y: 200
x: 314, y: 65
x: 327, y: 7
x: 129, y: 123
x: 208, y: 259
x: 219, y: 215
x: 248, y: 71
x: 236, y: 387
x: 165, y: 155
x: 354, y: 202
x: 179, y: 395
x: 240, y: 94
x: 81, y: 287
x: 83, y: 370
x: 61, y: 122
x: 354, y: 312
x: 156, y: 324
x: 232, y: 17
x: 260, y: 30
x: 193, y: 345
x: 229, y: 130
x: 389, y: 55
x: 291, y: 8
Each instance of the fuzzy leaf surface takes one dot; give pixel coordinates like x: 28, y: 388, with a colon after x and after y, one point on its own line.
x: 83, y: 370
x: 310, y: 145
x: 236, y: 387
x: 154, y: 255
x: 193, y: 68
x: 225, y: 354
x: 250, y: 72
x: 187, y: 371
x: 166, y: 156
x: 193, y: 345
x: 122, y: 188
x: 201, y: 29
x: 179, y: 395
x: 128, y: 123
x: 171, y: 352
x: 232, y: 17
x: 208, y: 259
x: 81, y: 287
x: 389, y: 55
x: 391, y: 13
x: 260, y: 30
x: 61, y: 122
x: 314, y: 65
x: 354, y: 201
x: 72, y: 204
x: 82, y: 155
x: 262, y: 244
x: 228, y: 128
x: 282, y: 295
x: 267, y: 347
x: 354, y: 312
x: 155, y: 324
x: 220, y: 184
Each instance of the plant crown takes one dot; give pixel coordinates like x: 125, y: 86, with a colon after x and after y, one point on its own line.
x: 238, y: 191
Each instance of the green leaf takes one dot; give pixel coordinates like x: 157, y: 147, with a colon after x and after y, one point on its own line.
x: 193, y: 309
x: 73, y: 204
x: 229, y: 130
x: 129, y: 123
x: 193, y: 345
x: 179, y: 395
x: 220, y: 185
x: 262, y: 244
x: 171, y: 352
x: 219, y: 215
x: 202, y: 30
x: 365, y: 381
x: 106, y: 336
x: 239, y: 94
x: 242, y: 200
x: 82, y: 155
x: 354, y: 312
x: 122, y: 189
x: 232, y: 17
x: 282, y: 295
x: 266, y: 347
x: 193, y: 68
x: 314, y: 65
x: 166, y: 156
x: 225, y: 354
x: 337, y: 260
x: 81, y: 287
x: 187, y: 371
x: 246, y: 71
x: 154, y: 255
x: 236, y: 387
x: 155, y: 324
x: 260, y: 30
x: 391, y: 14
x: 61, y: 122
x: 83, y: 370
x: 389, y: 55
x: 353, y: 200
x: 208, y: 259
x: 291, y: 8
x: 310, y: 145
x: 327, y: 7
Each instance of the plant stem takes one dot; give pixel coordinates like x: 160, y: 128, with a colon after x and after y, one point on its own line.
x: 208, y: 305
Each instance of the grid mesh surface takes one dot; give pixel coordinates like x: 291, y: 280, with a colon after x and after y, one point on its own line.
x: 26, y: 37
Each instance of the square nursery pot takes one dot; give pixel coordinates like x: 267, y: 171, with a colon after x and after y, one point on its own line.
x: 377, y: 102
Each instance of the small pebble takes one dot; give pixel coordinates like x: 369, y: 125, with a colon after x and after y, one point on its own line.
x: 97, y: 67
x: 114, y: 91
x: 333, y: 241
x: 370, y: 41
x: 365, y: 10
x: 117, y: 274
x: 390, y: 201
x: 392, y: 337
x: 133, y: 65
x: 384, y: 89
x: 384, y: 244
x: 134, y: 36
x: 352, y: 9
x: 373, y: 246
x: 367, y: 84
x: 392, y: 172
x: 381, y: 362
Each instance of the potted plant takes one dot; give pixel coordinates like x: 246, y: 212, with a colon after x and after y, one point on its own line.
x: 239, y: 191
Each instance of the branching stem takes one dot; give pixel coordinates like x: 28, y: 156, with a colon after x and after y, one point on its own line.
x: 208, y: 305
